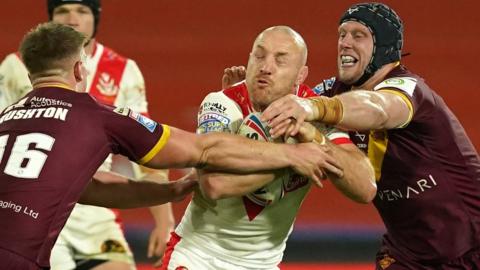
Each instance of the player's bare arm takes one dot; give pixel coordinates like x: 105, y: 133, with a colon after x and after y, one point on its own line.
x: 217, y: 151
x: 162, y: 215
x: 354, y: 110
x: 217, y: 185
x: 358, y: 181
x: 133, y: 194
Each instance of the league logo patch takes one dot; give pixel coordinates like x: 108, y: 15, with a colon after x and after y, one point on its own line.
x: 213, y: 116
x: 209, y: 122
x: 145, y: 121
x: 211, y: 125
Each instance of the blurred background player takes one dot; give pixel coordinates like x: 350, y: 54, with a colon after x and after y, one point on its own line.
x: 93, y: 235
x: 427, y: 170
x: 243, y: 221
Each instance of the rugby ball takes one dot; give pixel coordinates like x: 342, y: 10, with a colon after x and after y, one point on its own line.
x: 253, y: 128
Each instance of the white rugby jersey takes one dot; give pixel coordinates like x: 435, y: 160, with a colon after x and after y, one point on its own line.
x: 251, y: 233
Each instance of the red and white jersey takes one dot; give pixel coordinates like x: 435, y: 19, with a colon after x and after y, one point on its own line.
x: 112, y: 80
x: 247, y: 230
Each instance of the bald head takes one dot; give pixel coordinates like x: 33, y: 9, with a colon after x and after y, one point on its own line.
x: 295, y: 36
x: 276, y: 66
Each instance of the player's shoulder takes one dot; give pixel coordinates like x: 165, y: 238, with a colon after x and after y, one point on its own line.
x: 218, y: 112
x: 109, y: 54
x: 13, y: 60
x: 401, y: 79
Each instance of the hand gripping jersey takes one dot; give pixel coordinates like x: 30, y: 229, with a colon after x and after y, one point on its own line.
x: 427, y: 172
x: 246, y: 231
x: 46, y: 163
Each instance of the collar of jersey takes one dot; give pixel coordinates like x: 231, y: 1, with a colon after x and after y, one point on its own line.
x: 56, y: 85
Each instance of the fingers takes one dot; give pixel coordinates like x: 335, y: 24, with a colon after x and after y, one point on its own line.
x: 281, y: 128
x: 158, y: 263
x: 151, y: 246
x: 233, y: 75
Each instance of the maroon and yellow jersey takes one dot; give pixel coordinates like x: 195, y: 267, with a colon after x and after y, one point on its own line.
x: 52, y: 142
x: 427, y: 172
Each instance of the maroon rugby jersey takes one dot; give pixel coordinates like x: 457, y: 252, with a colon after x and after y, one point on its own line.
x: 53, y: 141
x: 428, y: 176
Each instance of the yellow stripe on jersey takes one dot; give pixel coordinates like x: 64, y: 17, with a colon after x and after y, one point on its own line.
x: 158, y: 146
x: 57, y: 85
x: 377, y: 146
x: 407, y: 101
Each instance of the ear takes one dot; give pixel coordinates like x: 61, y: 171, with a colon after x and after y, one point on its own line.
x: 77, y: 71
x: 302, y: 75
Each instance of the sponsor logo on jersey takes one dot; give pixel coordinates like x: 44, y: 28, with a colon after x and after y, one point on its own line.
x: 406, y: 84
x: 106, y: 85
x: 212, y: 107
x: 46, y: 102
x: 409, y: 191
x: 143, y: 120
x: 324, y: 86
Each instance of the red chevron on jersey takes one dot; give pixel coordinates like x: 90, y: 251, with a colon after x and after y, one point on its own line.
x: 239, y: 94
x: 105, y: 84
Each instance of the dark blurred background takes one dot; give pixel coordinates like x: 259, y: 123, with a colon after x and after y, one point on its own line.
x: 182, y: 47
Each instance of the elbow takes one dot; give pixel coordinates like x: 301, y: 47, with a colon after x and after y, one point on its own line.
x: 368, y: 193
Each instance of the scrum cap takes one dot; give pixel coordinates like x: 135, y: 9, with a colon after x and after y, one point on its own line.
x: 387, y: 31
x: 94, y: 5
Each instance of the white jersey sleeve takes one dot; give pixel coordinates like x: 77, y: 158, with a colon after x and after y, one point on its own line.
x: 218, y: 113
x: 14, y: 81
x: 131, y: 92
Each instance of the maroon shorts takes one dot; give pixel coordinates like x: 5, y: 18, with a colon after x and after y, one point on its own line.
x: 385, y: 261
x: 12, y: 261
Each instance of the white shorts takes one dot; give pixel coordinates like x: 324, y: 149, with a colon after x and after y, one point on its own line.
x: 179, y: 255
x: 85, y: 238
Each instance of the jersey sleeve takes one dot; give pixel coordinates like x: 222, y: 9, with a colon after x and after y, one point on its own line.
x: 132, y: 89
x: 14, y: 81
x: 218, y: 113
x: 134, y: 135
x: 405, y: 88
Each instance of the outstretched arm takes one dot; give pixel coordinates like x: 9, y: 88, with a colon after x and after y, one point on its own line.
x: 125, y: 193
x: 358, y: 181
x: 217, y: 185
x: 354, y: 110
x: 162, y: 215
x: 225, y: 152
